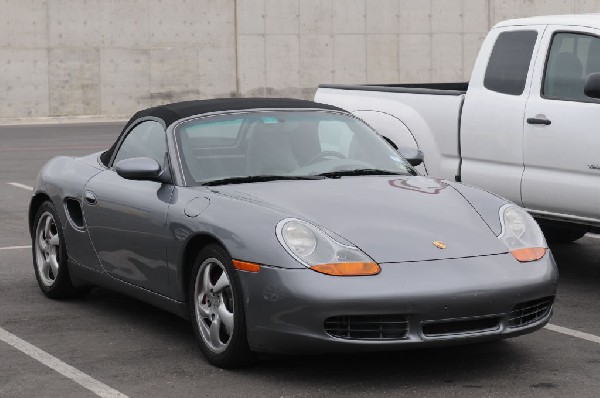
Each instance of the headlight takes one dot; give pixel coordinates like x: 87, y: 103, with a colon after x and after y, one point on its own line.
x: 316, y: 250
x: 521, y: 234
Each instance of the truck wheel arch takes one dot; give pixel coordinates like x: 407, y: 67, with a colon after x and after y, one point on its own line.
x: 393, y: 128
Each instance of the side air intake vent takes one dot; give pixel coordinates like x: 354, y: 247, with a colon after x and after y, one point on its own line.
x: 73, y: 209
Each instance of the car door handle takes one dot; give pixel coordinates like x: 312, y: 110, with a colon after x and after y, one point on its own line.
x: 535, y: 120
x: 90, y: 198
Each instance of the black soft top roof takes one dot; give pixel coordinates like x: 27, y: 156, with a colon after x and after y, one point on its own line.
x: 170, y: 113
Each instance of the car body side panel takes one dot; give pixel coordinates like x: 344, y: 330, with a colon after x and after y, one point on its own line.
x: 64, y: 177
x: 127, y: 225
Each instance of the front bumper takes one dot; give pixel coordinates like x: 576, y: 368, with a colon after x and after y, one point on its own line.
x: 286, y: 308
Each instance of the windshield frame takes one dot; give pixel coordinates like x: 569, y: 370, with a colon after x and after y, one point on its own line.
x: 176, y: 142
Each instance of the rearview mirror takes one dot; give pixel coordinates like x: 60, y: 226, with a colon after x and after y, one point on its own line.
x: 592, y: 85
x: 414, y: 156
x: 140, y: 169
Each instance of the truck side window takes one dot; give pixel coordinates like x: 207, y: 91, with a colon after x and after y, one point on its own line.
x: 508, y: 65
x: 572, y: 57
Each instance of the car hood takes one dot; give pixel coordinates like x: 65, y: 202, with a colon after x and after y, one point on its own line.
x: 391, y: 218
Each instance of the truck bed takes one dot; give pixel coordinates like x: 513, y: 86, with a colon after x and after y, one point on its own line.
x: 421, y: 88
x: 427, y: 114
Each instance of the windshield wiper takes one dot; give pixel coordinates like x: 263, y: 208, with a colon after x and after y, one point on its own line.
x: 260, y: 178
x: 361, y: 172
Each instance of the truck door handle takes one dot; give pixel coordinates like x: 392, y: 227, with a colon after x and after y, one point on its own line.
x: 535, y: 120
x: 90, y: 198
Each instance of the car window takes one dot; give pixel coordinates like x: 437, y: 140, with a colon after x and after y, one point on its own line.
x: 213, y: 135
x: 572, y: 57
x: 508, y: 65
x: 335, y: 136
x: 281, y: 143
x: 147, y: 139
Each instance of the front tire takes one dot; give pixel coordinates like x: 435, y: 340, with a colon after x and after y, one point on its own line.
x: 50, y: 254
x: 217, y: 309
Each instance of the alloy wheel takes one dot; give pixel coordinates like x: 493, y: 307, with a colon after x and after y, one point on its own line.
x: 47, y: 249
x: 213, y: 303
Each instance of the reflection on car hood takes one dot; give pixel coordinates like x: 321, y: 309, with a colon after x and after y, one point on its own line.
x: 391, y: 218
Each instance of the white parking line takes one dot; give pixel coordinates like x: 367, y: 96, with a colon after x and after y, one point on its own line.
x: 98, y: 388
x: 15, y: 247
x: 574, y: 333
x: 19, y: 185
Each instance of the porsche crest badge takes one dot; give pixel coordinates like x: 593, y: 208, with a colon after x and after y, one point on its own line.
x: 439, y: 244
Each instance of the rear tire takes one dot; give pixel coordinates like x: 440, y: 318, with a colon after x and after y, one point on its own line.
x: 217, y: 309
x: 565, y: 234
x: 50, y: 255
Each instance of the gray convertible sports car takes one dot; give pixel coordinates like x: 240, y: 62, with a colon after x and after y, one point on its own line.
x: 279, y: 225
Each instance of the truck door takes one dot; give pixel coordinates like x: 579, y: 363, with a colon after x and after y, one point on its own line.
x: 491, y: 138
x: 562, y: 127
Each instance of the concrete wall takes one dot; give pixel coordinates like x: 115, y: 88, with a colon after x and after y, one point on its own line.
x: 93, y: 57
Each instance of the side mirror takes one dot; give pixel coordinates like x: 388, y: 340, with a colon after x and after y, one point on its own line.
x: 414, y: 156
x: 140, y: 169
x: 592, y: 85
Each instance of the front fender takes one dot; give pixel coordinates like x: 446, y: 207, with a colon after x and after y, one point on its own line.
x: 485, y: 203
x: 245, y: 228
x: 60, y: 179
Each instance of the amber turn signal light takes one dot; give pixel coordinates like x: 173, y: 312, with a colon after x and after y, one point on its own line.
x: 347, y: 269
x: 529, y: 254
x: 246, y: 266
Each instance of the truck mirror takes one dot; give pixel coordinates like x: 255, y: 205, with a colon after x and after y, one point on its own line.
x: 414, y: 156
x: 592, y: 85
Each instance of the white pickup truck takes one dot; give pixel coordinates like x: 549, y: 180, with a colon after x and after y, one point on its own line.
x: 527, y: 125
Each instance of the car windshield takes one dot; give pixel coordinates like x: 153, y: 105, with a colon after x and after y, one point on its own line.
x: 240, y: 147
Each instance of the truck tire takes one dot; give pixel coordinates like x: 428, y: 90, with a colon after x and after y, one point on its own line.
x: 556, y: 234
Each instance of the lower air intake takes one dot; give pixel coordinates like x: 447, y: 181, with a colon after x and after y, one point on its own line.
x: 367, y: 327
x: 460, y: 326
x: 530, y: 312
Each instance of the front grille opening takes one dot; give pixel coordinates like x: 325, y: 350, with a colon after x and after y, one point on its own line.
x: 461, y: 326
x: 367, y: 327
x: 530, y: 312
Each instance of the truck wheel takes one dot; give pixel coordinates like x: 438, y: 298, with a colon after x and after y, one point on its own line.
x: 217, y: 310
x: 563, y: 235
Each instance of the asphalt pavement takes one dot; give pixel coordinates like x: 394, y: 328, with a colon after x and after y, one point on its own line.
x: 141, y: 351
